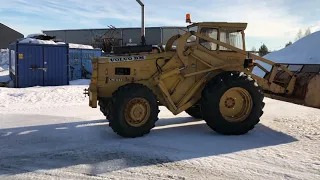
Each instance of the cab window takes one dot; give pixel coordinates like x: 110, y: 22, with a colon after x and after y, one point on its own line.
x: 212, y: 33
x: 192, y: 38
x: 234, y: 38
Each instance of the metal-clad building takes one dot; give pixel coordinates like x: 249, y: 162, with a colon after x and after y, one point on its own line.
x: 154, y: 35
x: 7, y: 36
x: 168, y: 32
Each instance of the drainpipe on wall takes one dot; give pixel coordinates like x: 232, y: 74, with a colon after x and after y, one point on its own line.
x: 161, y: 35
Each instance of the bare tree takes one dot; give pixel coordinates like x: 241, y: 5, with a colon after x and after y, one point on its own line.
x: 299, y: 35
x: 307, y: 32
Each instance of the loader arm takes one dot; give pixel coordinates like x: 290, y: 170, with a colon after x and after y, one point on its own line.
x: 190, y: 97
x: 268, y: 84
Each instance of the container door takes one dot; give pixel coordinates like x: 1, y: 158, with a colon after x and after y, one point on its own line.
x: 55, y: 65
x: 75, y: 64
x: 29, y: 65
x: 12, y: 63
x: 87, y: 56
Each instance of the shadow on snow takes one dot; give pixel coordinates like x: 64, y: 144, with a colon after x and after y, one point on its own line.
x: 66, y: 145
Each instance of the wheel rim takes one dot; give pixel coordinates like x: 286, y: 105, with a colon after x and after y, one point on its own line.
x: 236, y: 104
x: 137, y: 112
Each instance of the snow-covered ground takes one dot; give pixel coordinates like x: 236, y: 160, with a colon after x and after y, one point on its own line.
x: 52, y: 133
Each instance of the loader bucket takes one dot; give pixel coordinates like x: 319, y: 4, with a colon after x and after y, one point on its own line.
x: 307, y: 86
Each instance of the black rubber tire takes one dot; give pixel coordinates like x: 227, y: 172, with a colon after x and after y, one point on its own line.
x: 117, y: 105
x: 103, y: 104
x: 211, y: 97
x: 195, y: 111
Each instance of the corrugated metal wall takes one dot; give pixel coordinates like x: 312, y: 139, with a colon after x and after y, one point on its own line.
x: 87, y: 55
x: 7, y: 36
x: 154, y: 35
x: 39, y: 65
x: 81, y: 36
x: 168, y: 32
x: 74, y: 36
x: 75, y: 64
x: 80, y: 62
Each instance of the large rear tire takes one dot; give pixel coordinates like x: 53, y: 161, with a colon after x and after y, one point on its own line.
x: 232, y: 103
x: 195, y: 111
x: 133, y: 110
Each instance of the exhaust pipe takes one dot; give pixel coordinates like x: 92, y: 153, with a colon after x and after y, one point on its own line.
x: 143, y: 34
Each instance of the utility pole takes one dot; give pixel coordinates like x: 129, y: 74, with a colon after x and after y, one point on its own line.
x: 143, y: 34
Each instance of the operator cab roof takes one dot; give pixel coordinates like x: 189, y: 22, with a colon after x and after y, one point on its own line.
x: 233, y: 25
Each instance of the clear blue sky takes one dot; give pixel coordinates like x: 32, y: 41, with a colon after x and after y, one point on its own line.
x: 273, y: 22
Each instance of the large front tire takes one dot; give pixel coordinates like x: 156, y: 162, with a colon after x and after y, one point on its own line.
x: 232, y: 103
x: 133, y: 111
x: 103, y: 104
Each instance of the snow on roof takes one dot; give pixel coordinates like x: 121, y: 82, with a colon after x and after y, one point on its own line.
x: 79, y: 46
x: 35, y: 35
x: 38, y: 41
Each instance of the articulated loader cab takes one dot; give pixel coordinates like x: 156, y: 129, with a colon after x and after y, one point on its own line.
x: 208, y: 75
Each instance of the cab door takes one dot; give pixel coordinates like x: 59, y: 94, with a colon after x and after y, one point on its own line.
x: 215, y: 54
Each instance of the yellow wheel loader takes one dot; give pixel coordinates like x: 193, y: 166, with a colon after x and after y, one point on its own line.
x: 208, y: 75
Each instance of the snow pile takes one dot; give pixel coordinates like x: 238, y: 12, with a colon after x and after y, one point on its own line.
x: 4, y: 57
x: 4, y: 65
x: 304, y: 51
x: 4, y: 74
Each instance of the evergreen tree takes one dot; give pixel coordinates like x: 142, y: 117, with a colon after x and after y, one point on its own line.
x: 263, y: 50
x: 288, y: 44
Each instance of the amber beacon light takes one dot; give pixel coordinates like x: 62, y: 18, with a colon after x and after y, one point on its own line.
x: 188, y: 18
